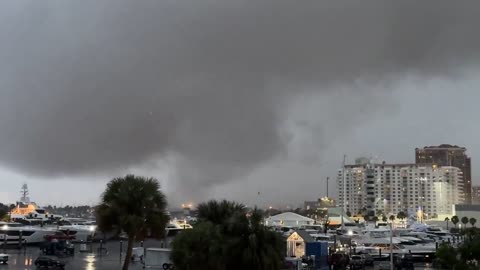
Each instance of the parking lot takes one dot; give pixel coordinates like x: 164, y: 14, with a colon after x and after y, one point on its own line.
x: 91, y: 260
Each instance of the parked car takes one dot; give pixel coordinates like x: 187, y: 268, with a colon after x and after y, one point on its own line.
x: 3, y: 258
x: 49, y: 262
x: 357, y: 262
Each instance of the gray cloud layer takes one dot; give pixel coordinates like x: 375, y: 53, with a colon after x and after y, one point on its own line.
x: 101, y: 86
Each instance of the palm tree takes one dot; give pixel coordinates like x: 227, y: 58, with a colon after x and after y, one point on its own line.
x: 473, y: 221
x: 364, y: 211
x: 258, y: 246
x: 384, y: 218
x: 134, y: 205
x: 447, y: 220
x: 401, y: 215
x: 465, y: 221
x: 392, y: 218
x: 455, y: 220
x: 3, y: 211
x: 219, y: 212
x: 228, y: 237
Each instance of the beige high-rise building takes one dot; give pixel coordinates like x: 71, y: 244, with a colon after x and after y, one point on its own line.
x: 373, y: 188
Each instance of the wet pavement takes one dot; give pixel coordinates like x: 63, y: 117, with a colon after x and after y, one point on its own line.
x: 93, y: 259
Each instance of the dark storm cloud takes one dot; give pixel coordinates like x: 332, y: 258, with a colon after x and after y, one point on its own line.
x: 96, y: 86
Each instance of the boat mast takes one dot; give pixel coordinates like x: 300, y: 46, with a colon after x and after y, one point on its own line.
x: 344, y: 210
x: 24, y: 192
x: 344, y: 185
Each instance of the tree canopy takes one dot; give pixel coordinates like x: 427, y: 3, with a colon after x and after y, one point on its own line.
x: 134, y: 205
x: 3, y: 210
x: 455, y: 220
x: 473, y: 221
x: 228, y: 236
x: 465, y: 220
x: 467, y: 254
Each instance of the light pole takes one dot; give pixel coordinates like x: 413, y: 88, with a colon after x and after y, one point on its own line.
x: 391, y: 246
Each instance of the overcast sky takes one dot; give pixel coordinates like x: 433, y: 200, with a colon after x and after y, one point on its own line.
x: 227, y: 99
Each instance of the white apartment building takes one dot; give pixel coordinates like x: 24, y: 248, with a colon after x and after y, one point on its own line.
x: 392, y: 188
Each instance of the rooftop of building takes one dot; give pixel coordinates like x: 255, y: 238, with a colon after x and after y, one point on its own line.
x: 442, y: 147
x: 397, y: 165
x: 467, y: 207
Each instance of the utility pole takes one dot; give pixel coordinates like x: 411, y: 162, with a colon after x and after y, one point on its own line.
x: 344, y: 185
x: 391, y: 245
x: 344, y: 210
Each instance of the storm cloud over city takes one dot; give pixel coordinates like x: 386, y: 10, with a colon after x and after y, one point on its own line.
x: 228, y: 98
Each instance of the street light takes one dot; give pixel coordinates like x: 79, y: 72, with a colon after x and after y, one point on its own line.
x: 391, y: 245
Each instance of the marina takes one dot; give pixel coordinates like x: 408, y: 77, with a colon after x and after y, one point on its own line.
x: 33, y: 234
x: 94, y: 260
x: 109, y: 257
x: 239, y: 135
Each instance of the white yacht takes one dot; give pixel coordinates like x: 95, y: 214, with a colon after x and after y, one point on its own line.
x: 442, y: 234
x: 14, y: 233
x: 26, y: 209
x: 416, y: 245
x: 422, y: 236
x: 80, y: 233
x: 377, y: 241
x: 81, y: 229
x: 175, y: 226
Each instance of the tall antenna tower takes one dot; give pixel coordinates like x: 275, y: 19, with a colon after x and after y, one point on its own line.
x: 24, y: 192
x: 344, y: 184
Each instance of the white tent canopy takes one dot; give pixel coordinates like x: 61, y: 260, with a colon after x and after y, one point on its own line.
x: 336, y: 216
x: 288, y: 219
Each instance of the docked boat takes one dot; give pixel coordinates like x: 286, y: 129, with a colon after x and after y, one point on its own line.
x: 17, y: 233
x: 175, y: 226
x: 80, y: 233
x: 81, y: 230
x: 417, y: 246
x: 28, y: 210
x: 377, y: 242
